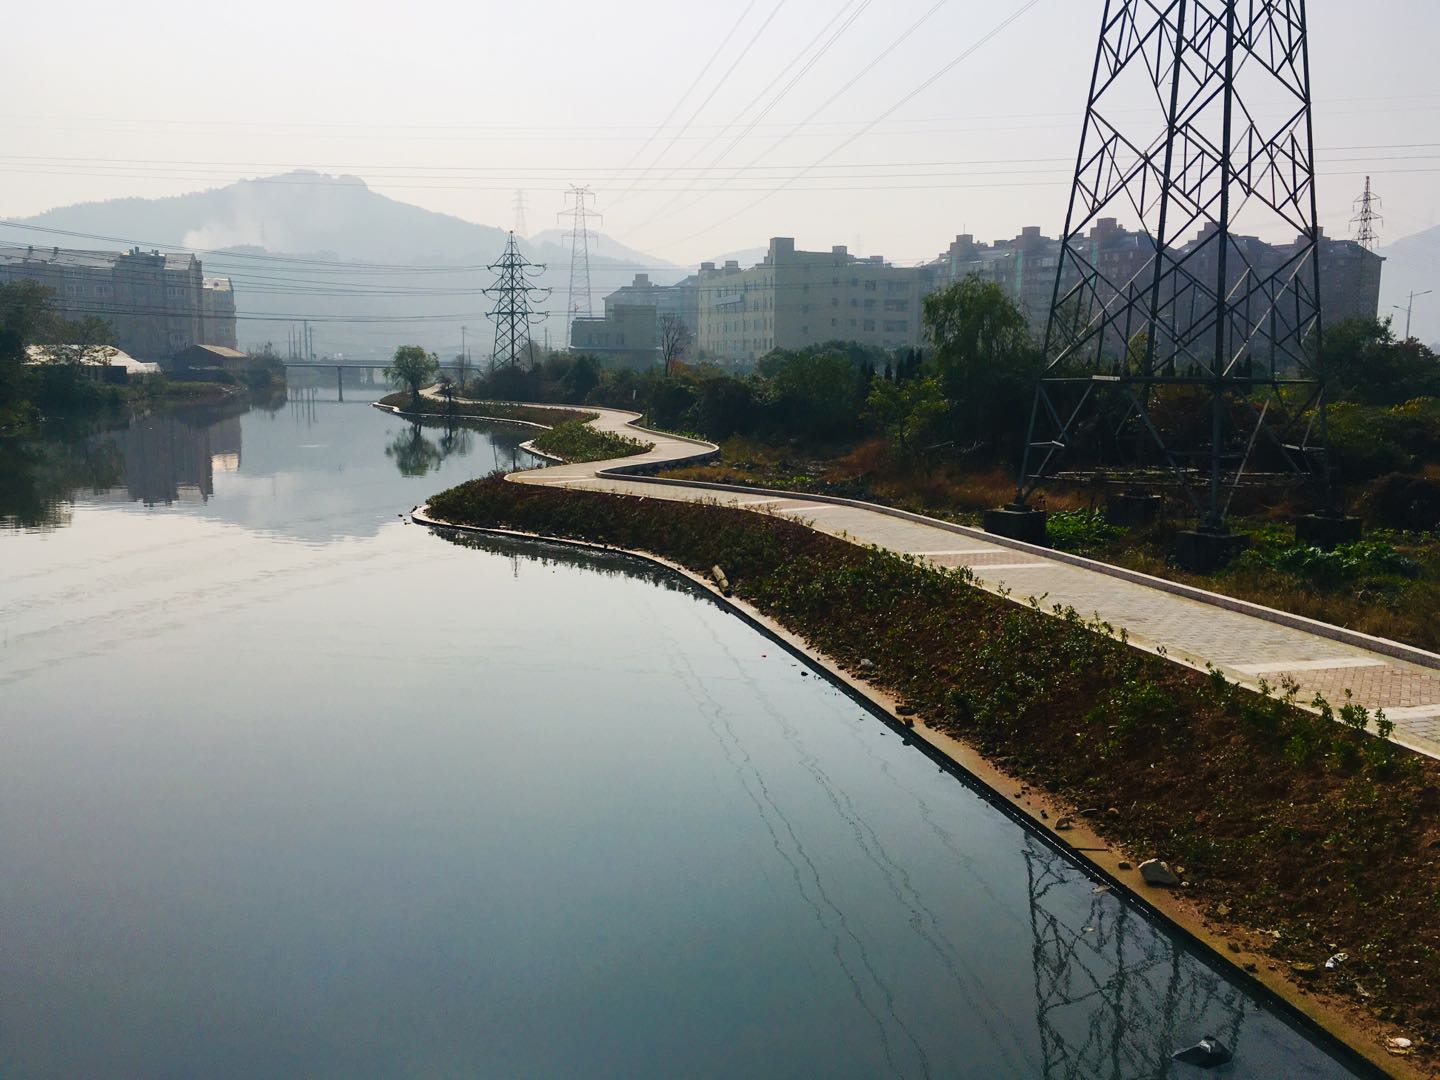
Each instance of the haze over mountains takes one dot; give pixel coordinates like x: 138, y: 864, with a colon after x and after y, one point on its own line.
x: 1413, y: 263
x: 393, y: 261
x: 404, y: 274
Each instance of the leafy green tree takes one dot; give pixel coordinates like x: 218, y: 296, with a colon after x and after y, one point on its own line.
x: 818, y: 392
x: 907, y: 412
x: 412, y: 366
x: 986, y: 361
x: 1364, y: 362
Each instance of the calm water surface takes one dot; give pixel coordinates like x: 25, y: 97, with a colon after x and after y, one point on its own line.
x: 292, y: 789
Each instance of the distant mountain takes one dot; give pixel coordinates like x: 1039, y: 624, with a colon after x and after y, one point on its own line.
x: 608, y: 248
x: 301, y: 211
x: 256, y: 229
x: 1413, y: 264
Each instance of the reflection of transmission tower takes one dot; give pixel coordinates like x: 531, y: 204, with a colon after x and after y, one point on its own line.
x: 520, y: 225
x: 1191, y: 311
x: 512, y: 312
x: 577, y: 299
x: 1110, y: 990
x: 1366, y: 220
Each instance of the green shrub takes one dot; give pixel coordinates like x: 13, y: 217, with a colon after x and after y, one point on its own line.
x: 1080, y: 530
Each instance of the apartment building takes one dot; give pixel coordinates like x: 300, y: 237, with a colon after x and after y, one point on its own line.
x: 157, y: 304
x: 794, y: 298
x: 1025, y: 268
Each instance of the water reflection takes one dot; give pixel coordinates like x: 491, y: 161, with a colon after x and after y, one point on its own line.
x: 1113, y: 994
x: 179, y: 459
x: 416, y: 455
x: 546, y: 821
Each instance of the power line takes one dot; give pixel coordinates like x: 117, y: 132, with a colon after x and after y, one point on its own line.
x: 715, y: 89
x: 925, y: 85
x: 699, y: 76
x: 796, y: 129
x: 794, y: 81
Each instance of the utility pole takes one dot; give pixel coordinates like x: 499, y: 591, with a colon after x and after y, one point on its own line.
x: 1366, y: 219
x: 512, y: 312
x: 577, y: 297
x: 1409, y: 309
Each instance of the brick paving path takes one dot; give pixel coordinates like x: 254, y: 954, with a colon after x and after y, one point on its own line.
x: 1245, y: 647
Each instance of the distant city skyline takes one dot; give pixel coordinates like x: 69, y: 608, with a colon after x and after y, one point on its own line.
x: 455, y: 108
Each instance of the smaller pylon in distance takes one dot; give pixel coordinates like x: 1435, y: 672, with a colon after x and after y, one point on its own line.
x: 1367, y: 220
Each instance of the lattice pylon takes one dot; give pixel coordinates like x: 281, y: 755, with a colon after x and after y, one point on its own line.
x: 1367, y: 219
x: 578, y: 303
x: 1198, y: 136
x: 512, y: 312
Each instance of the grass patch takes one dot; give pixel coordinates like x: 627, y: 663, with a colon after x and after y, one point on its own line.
x: 575, y: 440
x: 494, y: 410
x: 1302, y: 824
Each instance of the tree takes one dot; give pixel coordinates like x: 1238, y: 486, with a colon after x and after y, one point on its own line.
x: 1364, y: 362
x: 412, y: 366
x: 819, y: 391
x: 675, y: 340
x: 907, y: 411
x: 986, y: 359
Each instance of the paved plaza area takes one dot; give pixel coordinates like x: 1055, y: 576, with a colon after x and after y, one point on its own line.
x: 1246, y: 647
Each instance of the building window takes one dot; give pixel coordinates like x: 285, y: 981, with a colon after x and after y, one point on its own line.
x: 869, y: 286
x: 869, y: 324
x: 104, y: 290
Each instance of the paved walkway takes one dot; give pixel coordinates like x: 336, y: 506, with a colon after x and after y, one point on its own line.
x: 1246, y: 647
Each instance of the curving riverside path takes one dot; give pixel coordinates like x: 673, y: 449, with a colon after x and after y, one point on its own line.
x: 1245, y: 641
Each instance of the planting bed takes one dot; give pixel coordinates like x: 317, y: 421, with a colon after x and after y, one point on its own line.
x: 1303, y: 835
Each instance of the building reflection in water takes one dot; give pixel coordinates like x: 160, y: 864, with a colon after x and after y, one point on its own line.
x: 168, y: 460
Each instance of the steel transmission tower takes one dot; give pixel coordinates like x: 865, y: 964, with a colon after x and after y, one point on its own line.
x: 1367, y: 220
x: 1189, y: 359
x: 577, y: 298
x: 512, y: 313
x: 521, y: 228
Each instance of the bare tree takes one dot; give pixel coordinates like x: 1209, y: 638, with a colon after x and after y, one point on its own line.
x: 675, y: 339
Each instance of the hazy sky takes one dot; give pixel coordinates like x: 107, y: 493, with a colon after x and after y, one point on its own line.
x: 456, y: 106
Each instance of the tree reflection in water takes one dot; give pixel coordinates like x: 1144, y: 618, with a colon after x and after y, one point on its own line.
x: 1108, y: 986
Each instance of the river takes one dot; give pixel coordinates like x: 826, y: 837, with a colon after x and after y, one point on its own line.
x: 291, y: 788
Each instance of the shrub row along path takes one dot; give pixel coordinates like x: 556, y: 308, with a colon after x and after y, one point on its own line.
x: 1246, y: 647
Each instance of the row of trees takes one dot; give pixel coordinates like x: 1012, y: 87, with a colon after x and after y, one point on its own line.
x: 967, y: 397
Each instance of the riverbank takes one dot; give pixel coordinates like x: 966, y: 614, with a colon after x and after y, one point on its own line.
x: 1388, y: 586
x: 1291, y: 870
x: 566, y: 435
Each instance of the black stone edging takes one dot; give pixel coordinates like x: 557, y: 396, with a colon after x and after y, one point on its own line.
x: 1397, y: 649
x: 855, y: 689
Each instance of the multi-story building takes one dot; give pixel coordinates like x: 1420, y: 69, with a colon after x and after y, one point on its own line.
x: 157, y: 304
x: 1025, y: 268
x: 622, y: 337
x: 793, y: 299
x: 217, y: 312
